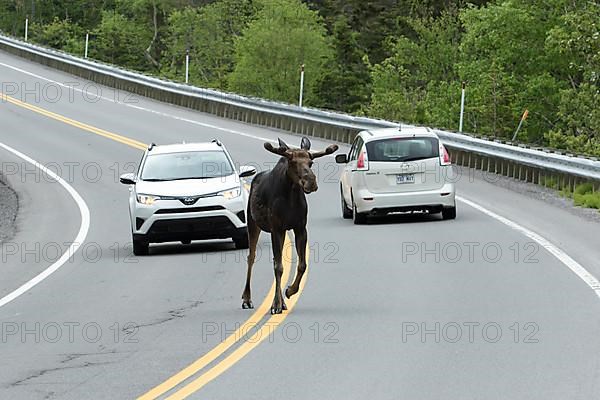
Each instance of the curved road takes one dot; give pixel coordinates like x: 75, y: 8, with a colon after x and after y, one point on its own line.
x: 405, y: 307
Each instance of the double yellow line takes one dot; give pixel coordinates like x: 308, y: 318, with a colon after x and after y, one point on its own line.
x: 101, y: 132
x: 259, y: 335
x: 263, y: 332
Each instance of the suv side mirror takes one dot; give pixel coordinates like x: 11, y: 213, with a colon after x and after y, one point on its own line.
x: 246, y: 171
x: 341, y: 159
x: 127, y: 179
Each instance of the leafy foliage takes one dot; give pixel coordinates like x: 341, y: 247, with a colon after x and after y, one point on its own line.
x: 119, y: 41
x: 394, y: 59
x: 284, y: 35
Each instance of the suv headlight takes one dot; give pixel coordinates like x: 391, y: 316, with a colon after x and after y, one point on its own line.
x: 147, y: 199
x: 231, y: 193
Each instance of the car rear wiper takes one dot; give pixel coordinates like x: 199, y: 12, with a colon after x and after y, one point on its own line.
x: 415, y: 159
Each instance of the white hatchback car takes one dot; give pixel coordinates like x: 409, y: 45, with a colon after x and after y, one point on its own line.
x: 186, y: 192
x: 396, y: 170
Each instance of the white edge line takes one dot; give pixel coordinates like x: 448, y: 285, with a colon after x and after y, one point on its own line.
x: 563, y: 257
x: 81, y: 235
x: 162, y: 114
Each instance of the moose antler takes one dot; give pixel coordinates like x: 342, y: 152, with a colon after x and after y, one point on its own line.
x: 281, y: 150
x: 329, y: 150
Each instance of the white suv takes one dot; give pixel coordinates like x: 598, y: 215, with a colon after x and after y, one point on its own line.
x: 396, y: 170
x: 186, y: 192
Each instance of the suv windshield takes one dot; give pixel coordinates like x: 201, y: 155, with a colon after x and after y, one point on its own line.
x: 403, y: 149
x: 189, y: 165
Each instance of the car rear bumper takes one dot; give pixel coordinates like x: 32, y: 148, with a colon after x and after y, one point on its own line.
x: 382, y: 203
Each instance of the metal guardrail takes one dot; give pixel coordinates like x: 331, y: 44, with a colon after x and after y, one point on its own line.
x: 520, y: 162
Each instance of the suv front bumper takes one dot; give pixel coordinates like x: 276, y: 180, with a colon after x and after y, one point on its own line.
x: 208, y: 218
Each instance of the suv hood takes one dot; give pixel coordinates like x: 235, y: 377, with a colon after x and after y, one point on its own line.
x: 188, y: 187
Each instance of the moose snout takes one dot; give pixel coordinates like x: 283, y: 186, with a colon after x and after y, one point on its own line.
x: 310, y: 186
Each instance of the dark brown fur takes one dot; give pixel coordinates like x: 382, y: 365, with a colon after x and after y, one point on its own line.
x: 277, y: 204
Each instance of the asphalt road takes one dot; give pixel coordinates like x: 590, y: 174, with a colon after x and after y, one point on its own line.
x: 406, y: 307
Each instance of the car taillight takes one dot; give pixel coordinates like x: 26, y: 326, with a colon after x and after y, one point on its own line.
x: 444, y: 156
x: 363, y: 161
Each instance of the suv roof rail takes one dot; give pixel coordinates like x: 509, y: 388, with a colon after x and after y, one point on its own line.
x: 218, y: 142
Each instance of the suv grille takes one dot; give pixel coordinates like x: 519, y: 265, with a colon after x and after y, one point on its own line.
x: 189, y: 210
x: 205, y: 224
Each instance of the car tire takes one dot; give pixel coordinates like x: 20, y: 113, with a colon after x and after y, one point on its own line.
x: 358, y: 218
x: 346, y: 211
x: 449, y: 213
x: 140, y: 247
x: 241, y: 242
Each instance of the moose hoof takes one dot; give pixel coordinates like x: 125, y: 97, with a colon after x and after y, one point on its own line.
x: 289, y: 292
x: 284, y: 306
x: 246, y: 305
x: 276, y: 310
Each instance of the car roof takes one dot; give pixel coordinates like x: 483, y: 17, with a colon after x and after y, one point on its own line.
x: 402, y: 131
x: 185, y: 147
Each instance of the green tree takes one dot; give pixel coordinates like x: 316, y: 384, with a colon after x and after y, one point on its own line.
x: 418, y: 72
x: 504, y: 62
x: 576, y: 41
x: 209, y: 33
x: 119, y: 40
x: 345, y: 86
x: 59, y: 34
x: 284, y: 35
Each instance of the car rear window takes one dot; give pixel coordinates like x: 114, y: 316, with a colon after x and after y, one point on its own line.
x: 403, y: 149
x: 188, y: 165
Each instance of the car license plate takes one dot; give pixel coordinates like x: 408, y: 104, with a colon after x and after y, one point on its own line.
x: 406, y: 178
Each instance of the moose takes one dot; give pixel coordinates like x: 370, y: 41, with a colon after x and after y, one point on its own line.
x: 277, y: 203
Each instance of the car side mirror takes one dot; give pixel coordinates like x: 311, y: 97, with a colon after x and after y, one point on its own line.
x: 246, y: 171
x: 127, y: 179
x: 341, y: 159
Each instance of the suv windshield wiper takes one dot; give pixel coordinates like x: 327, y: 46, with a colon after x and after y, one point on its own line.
x: 179, y: 179
x: 194, y: 177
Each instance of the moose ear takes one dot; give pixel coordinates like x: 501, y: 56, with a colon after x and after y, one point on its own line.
x: 305, y: 144
x: 282, y: 144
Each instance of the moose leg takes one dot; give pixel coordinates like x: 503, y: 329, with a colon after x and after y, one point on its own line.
x: 253, y: 235
x: 277, y: 240
x: 301, y: 238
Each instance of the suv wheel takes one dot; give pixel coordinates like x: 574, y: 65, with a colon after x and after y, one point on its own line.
x: 358, y: 218
x: 140, y: 247
x: 346, y: 211
x: 449, y: 213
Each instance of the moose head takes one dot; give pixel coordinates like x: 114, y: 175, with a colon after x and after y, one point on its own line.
x: 300, y: 162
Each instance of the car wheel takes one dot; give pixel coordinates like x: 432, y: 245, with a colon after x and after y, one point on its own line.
x: 140, y: 247
x: 346, y: 211
x: 241, y: 242
x: 358, y: 218
x: 449, y: 213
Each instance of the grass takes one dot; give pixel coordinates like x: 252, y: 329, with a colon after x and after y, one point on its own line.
x: 583, y: 196
x: 551, y: 183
